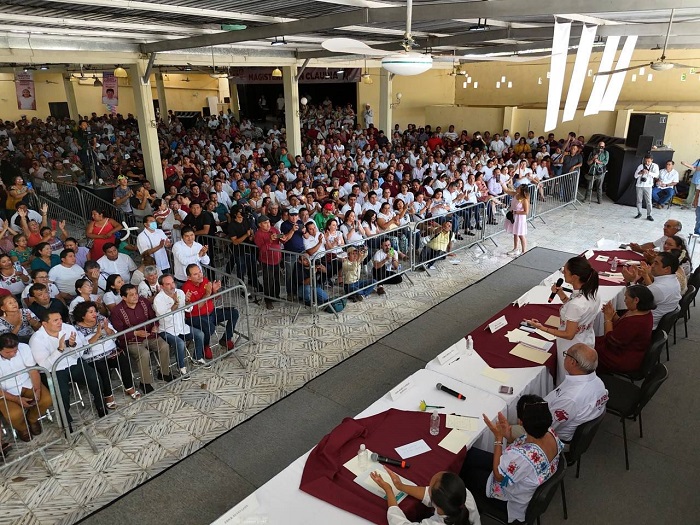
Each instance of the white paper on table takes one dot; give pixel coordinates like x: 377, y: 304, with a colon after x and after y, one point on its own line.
x: 462, y: 422
x: 602, y: 258
x: 609, y: 276
x: 496, y: 375
x: 365, y: 481
x: 589, y: 254
x: 413, y: 449
x: 520, y: 336
x: 248, y: 507
x: 455, y: 441
x: 530, y: 354
x: 353, y: 465
x: 547, y: 336
x: 553, y: 321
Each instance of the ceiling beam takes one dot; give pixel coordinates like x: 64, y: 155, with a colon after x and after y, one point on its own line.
x: 423, y: 12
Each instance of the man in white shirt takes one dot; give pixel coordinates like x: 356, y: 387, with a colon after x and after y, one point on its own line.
x: 173, y: 328
x: 188, y: 251
x: 385, y: 264
x: 645, y: 175
x: 671, y: 228
x: 665, y: 187
x: 153, y: 242
x: 25, y: 397
x: 665, y: 288
x: 65, y: 274
x: 372, y: 203
x: 49, y: 344
x: 39, y: 276
x: 581, y: 397
x: 114, y: 262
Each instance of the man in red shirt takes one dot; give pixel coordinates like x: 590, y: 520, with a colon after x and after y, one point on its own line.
x: 205, y: 316
x: 269, y: 242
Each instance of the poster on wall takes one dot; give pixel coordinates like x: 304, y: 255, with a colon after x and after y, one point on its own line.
x: 24, y: 86
x: 110, y: 90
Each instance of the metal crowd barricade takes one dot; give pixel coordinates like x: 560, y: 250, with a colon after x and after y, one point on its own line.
x: 67, y: 196
x: 472, y: 217
x: 103, y: 370
x: 496, y: 208
x: 93, y: 202
x: 76, y: 224
x: 39, y: 443
x: 557, y: 192
x: 326, y: 287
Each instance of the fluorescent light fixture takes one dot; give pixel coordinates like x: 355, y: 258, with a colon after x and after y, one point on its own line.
x: 510, y: 84
x: 641, y: 71
x: 498, y: 85
x: 583, y: 56
x: 557, y: 69
x: 539, y: 81
x: 44, y: 67
x: 503, y: 79
x: 469, y: 80
x: 650, y: 77
x: 464, y: 84
x: 476, y: 85
x: 634, y: 77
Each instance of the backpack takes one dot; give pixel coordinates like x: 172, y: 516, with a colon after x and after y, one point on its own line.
x: 336, y: 306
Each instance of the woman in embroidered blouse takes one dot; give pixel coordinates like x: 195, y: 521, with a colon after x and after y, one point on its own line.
x: 578, y: 312
x: 510, y: 476
x: 453, y: 503
x: 11, y: 278
x: 627, y: 337
x: 92, y: 328
x: 20, y: 321
x: 83, y: 290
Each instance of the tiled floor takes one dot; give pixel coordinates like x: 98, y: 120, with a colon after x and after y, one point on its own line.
x: 144, y: 439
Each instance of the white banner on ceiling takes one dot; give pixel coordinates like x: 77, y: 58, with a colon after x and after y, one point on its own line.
x: 601, y: 81
x: 612, y: 93
x: 557, y: 70
x: 583, y: 56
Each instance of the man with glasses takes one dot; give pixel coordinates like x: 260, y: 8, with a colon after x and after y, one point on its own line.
x: 665, y: 188
x: 671, y: 228
x: 581, y: 397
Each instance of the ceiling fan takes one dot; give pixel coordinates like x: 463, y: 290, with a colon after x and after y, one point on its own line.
x: 406, y: 62
x: 657, y: 65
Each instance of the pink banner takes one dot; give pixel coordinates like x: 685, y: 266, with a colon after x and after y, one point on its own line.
x: 311, y: 75
x: 24, y: 86
x: 110, y: 90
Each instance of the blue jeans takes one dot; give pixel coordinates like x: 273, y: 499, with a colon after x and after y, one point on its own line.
x: 304, y: 291
x: 355, y: 287
x: 207, y: 323
x: 662, y: 196
x: 697, y: 220
x: 179, y: 343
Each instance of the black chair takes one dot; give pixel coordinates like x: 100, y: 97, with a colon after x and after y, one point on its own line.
x: 583, y: 437
x: 651, y: 357
x: 684, y: 306
x: 694, y: 280
x: 668, y: 323
x: 627, y: 400
x: 538, y: 503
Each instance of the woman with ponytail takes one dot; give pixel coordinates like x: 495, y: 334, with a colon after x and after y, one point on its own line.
x: 447, y: 494
x: 578, y: 312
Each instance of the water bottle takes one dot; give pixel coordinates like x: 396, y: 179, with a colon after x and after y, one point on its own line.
x: 434, y: 423
x: 613, y: 265
x: 470, y: 345
x: 363, y: 457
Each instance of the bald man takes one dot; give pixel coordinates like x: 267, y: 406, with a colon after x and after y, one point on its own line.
x: 671, y: 228
x: 581, y: 397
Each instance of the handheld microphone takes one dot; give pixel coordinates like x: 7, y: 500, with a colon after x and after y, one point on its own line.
x: 560, y: 281
x: 388, y: 461
x: 442, y: 387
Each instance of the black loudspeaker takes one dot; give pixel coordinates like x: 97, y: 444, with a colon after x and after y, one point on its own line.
x: 227, y: 100
x: 206, y: 111
x: 653, y: 124
x: 644, y: 145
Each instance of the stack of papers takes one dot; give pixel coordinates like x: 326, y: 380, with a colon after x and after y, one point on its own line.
x: 462, y: 422
x: 530, y: 353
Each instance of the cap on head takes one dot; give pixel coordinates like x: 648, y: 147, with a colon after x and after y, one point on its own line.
x: 263, y: 218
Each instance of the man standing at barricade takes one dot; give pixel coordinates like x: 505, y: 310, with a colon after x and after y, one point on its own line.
x: 597, y: 168
x: 240, y: 231
x: 267, y: 239
x: 186, y: 252
x: 153, y: 242
x: 645, y: 175
x: 204, y: 316
x: 25, y: 397
x: 131, y: 312
x: 572, y: 162
x: 294, y: 244
x: 48, y: 345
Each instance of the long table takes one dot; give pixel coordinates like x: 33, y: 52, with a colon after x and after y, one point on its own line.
x: 280, y: 500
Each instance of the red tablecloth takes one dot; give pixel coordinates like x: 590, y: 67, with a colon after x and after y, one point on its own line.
x: 601, y: 266
x: 495, y: 348
x: 325, y: 477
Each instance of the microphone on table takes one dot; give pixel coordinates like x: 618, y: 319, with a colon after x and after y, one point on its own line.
x: 388, y: 461
x: 442, y: 387
x: 560, y: 281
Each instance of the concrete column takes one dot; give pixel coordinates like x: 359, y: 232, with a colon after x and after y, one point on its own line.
x: 70, y: 98
x: 145, y: 114
x: 621, y: 122
x: 508, y: 118
x: 292, y: 122
x: 385, y: 100
x: 162, y: 101
x: 233, y: 97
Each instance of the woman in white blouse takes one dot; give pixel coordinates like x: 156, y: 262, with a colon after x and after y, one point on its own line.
x: 453, y: 503
x: 112, y: 298
x: 351, y: 228
x: 578, y: 312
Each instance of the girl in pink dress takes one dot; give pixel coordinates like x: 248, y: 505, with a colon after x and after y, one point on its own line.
x: 520, y: 206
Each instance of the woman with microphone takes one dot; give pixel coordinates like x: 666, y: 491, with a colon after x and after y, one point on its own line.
x: 578, y: 312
